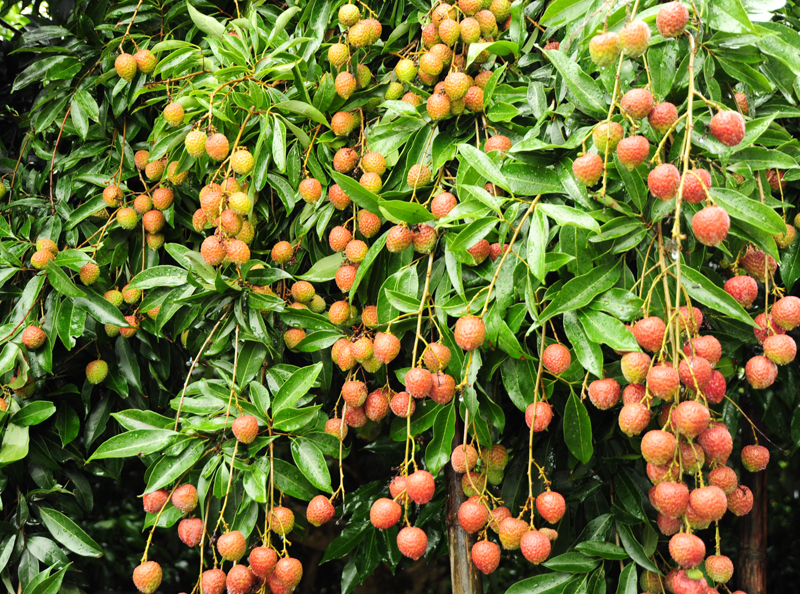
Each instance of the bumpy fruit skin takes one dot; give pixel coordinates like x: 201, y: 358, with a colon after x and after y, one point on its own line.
x: 486, y: 556
x: 634, y: 39
x: 147, y: 577
x: 551, y: 506
x: 424, y: 239
x: 539, y: 414
x: 145, y: 61
x: 691, y: 418
x: 780, y: 349
x: 604, y: 393
x: 140, y: 159
x: 758, y: 264
x: 664, y: 181
x: 175, y: 178
x: 696, y: 183
x: 740, y: 501
x: 786, y: 239
x: 709, y: 503
x: 185, y: 498
x: 470, y: 332
x: 125, y: 65
x: 33, y: 337
x: 604, y: 49
x: 343, y: 123
x: 213, y: 581
x: 443, y: 388
x: 262, y: 561
x: 695, y: 372
x: 637, y: 103
x: 336, y: 427
x: 310, y: 190
x: 281, y: 520
x: 511, y: 531
x: 719, y: 568
x: 663, y: 381
x: 635, y: 366
x: 671, y: 19
x: 442, y: 204
x: 438, y: 107
x: 760, y: 372
x: 173, y: 114
x: 231, y: 545
x: 723, y: 477
x: 663, y: 116
x: 212, y: 251
x: 153, y: 502
x: 633, y: 151
x: 473, y: 100
x: 463, y: 458
x: 96, y: 371
x: 472, y: 516
x: 153, y: 221
x: 195, y: 143
x: 217, y: 146
x: 399, y: 239
x: 89, y: 273
x: 606, y: 134
x: 345, y: 160
x: 412, y: 542
x: 687, y: 550
x: 240, y: 580
x: 786, y: 312
x: 320, y: 510
x: 418, y: 382
x: 658, y: 447
x: 112, y: 195
x: 728, y: 127
x: 418, y: 176
x: 588, y: 169
x: 755, y: 458
x: 371, y: 181
x: 556, y: 358
x: 634, y: 418
x: 289, y: 571
x: 480, y: 251
x: 420, y: 486
x: 535, y: 546
x: 369, y: 224
x: 190, y: 531
x: 245, y: 428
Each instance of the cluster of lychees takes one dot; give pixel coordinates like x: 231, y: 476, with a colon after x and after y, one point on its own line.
x: 268, y: 565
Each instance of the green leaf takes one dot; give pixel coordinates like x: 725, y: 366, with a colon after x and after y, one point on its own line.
x: 311, y: 463
x: 16, y: 441
x: 297, y: 386
x: 483, y: 164
x: 69, y: 534
x: 578, y: 429
x: 251, y: 358
x: 438, y: 451
x: 571, y: 563
x: 357, y: 193
x: 372, y: 254
x: 159, y: 276
x: 304, y: 109
x: 710, y: 295
x: 344, y: 543
x: 134, y: 443
x: 566, y: 215
x: 169, y: 468
x: 547, y: 583
x: 579, y: 291
x: 293, y: 419
x: 599, y: 548
x: 604, y: 329
x: 473, y: 233
x: 33, y: 413
x: 100, y: 309
x: 324, y: 269
x: 400, y: 211
x: 498, y: 48
x: 206, y: 24
x: 537, y: 244
x: 628, y: 580
x: 292, y: 482
x: 61, y: 282
x: 740, y: 207
x: 585, y: 90
x: 634, y: 549
x: 281, y: 22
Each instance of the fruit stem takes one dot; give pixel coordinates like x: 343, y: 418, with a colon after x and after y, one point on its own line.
x: 227, y: 490
x: 506, y: 252
x: 194, y: 363
x: 533, y: 419
x: 128, y: 30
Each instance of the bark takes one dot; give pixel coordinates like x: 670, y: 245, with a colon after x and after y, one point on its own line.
x: 466, y: 579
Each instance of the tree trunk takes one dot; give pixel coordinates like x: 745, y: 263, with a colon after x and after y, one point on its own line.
x: 751, y: 570
x: 466, y: 579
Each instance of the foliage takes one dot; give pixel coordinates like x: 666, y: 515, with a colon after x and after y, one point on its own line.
x: 203, y: 344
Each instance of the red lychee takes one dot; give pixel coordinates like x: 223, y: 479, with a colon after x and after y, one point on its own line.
x: 670, y: 498
x: 634, y: 418
x: 658, y: 447
x: 663, y: 181
x: 319, y: 511
x: 147, y: 576
x: 728, y: 127
x: 633, y: 151
x: 472, y: 516
x: 755, y: 458
x: 185, y: 498
x: 709, y: 503
x: 663, y: 116
x: 463, y: 458
x: 412, y: 542
x: 604, y: 393
x: 649, y: 333
x: 470, y: 332
x: 740, y: 501
x: 723, y: 477
x: 556, y: 358
x: 671, y: 19
x: 281, y: 520
x: 717, y: 443
x: 663, y: 381
x: 711, y: 225
x: 262, y: 561
x: 231, y: 545
x: 190, y: 531
x: 637, y: 103
x: 486, y: 556
x: 535, y: 546
x: 760, y: 372
x: 402, y: 404
x: 635, y: 366
x: 687, y: 550
x: 551, y: 506
x: 786, y: 312
x: 540, y: 414
x: 758, y: 264
x: 511, y: 531
x: 420, y: 486
x: 696, y: 183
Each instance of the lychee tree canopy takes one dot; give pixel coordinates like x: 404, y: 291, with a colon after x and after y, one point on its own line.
x: 569, y: 264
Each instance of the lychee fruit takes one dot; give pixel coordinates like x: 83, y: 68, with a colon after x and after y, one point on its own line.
x: 511, y: 531
x: 607, y: 134
x: 711, y: 225
x: 245, y: 428
x: 719, y: 568
x: 634, y: 418
x: 472, y: 516
x: 760, y: 372
x: 551, y: 506
x: 663, y: 181
x: 384, y: 513
x: 740, y: 501
x: 289, y: 571
x: 402, y: 405
x: 112, y: 196
x: 696, y: 183
x: 687, y: 550
x: 634, y: 39
x: 89, y: 273
x: 588, y: 169
x: 33, y: 337
x: 443, y: 388
x: 717, y: 443
x: 780, y: 349
x: 755, y: 458
x: 535, y: 546
x: 633, y: 151
x: 399, y: 239
x: 556, y: 358
x: 96, y: 371
x: 470, y: 332
x: 709, y: 503
x: 727, y: 127
x: 418, y: 176
x: 190, y: 531
x: 386, y: 347
x: 723, y: 477
x: 671, y: 19
x: 213, y: 581
x: 670, y: 498
x: 343, y: 123
x: 486, y: 556
x: 663, y: 116
x: 281, y: 520
x: 604, y: 393
x: 126, y: 68
x: 758, y: 264
x: 420, y: 486
x: 217, y: 147
x: 153, y: 502
x: 637, y: 103
x: 310, y: 190
x: 412, y: 542
x: 336, y: 427
x: 663, y: 381
x: 442, y: 204
x: 319, y: 511
x: 604, y: 49
x: 147, y: 576
x: 185, y: 498
x: 635, y: 366
x: 231, y: 545
x: 786, y: 312
x: 240, y: 580
x: 658, y: 447
x: 463, y: 458
x: 540, y: 414
x: 695, y: 372
x: 262, y: 561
